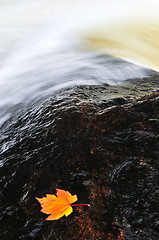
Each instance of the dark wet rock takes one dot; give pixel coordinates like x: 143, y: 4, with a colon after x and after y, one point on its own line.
x: 104, y: 149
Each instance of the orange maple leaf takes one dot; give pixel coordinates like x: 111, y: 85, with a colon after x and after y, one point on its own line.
x: 58, y: 206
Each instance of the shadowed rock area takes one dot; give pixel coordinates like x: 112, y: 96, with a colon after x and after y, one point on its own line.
x: 99, y: 142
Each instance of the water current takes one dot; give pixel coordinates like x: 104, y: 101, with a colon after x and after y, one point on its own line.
x: 50, y: 45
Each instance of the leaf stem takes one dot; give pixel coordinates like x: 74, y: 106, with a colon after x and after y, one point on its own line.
x: 75, y: 205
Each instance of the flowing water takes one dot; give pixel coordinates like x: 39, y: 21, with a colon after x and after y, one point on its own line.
x: 50, y: 45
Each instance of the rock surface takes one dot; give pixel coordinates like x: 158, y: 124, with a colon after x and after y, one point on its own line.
x: 99, y: 142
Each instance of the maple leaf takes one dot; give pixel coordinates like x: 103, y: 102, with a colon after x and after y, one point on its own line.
x: 58, y: 206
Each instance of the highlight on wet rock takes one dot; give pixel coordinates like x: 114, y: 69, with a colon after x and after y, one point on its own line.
x: 58, y: 206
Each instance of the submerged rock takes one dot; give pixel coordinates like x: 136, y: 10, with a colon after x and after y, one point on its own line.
x: 101, y: 143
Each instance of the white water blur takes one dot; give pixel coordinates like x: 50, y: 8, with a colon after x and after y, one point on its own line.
x: 43, y: 48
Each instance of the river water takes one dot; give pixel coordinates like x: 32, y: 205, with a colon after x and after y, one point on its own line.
x: 50, y: 45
